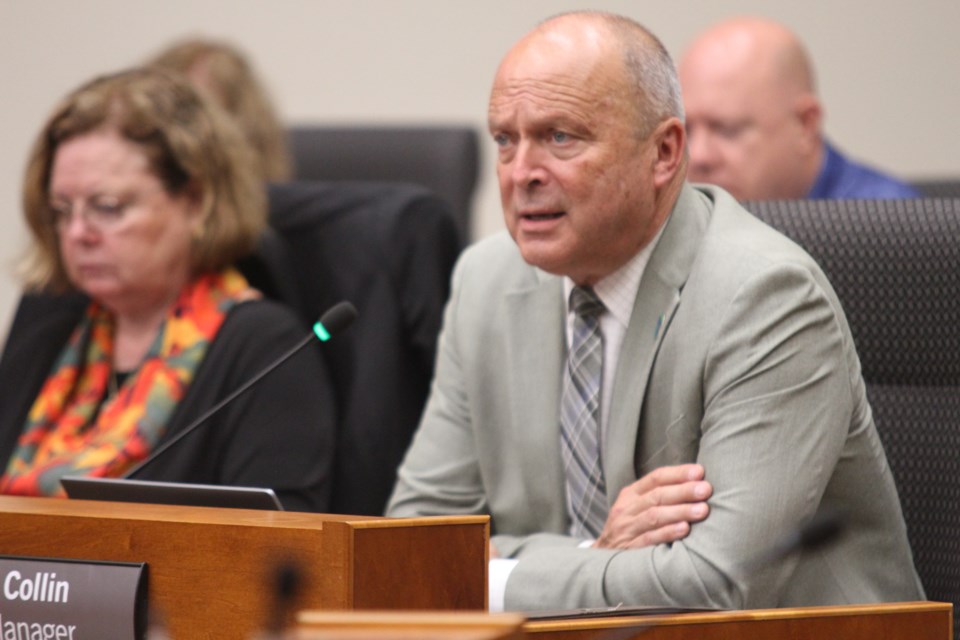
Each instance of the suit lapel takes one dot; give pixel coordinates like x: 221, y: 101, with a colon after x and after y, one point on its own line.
x: 535, y: 319
x: 657, y: 300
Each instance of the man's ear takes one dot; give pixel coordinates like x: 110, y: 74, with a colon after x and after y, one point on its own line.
x: 809, y: 115
x: 670, y: 138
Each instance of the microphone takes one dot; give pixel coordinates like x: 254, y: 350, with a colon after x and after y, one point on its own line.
x: 334, y: 320
x: 288, y: 581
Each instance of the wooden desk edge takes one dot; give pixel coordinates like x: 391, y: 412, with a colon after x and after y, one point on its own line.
x: 212, y: 515
x: 712, y: 617
x: 426, y: 521
x: 452, y: 619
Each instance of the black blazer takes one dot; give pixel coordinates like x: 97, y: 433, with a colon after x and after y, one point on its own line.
x: 388, y: 248
x: 289, y: 416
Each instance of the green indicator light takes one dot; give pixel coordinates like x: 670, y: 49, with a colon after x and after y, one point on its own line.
x: 321, y: 332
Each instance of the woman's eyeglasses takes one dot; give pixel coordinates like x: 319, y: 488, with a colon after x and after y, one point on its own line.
x: 99, y: 213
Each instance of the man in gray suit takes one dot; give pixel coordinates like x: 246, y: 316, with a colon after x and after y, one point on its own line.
x: 715, y: 381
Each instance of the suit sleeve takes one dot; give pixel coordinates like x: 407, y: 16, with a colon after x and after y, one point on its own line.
x: 440, y: 474
x: 777, y: 406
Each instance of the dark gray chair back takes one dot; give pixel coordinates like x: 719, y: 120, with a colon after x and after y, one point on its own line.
x: 895, y: 265
x: 388, y: 248
x: 937, y: 187
x: 445, y: 159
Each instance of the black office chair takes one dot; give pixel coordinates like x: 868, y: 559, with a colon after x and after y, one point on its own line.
x: 444, y: 159
x: 937, y: 187
x: 389, y: 249
x: 895, y: 265
x: 271, y: 270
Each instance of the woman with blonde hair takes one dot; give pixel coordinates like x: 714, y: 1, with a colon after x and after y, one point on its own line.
x: 227, y: 76
x: 140, y: 196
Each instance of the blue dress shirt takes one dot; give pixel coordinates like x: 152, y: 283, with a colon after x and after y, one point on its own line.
x: 842, y: 178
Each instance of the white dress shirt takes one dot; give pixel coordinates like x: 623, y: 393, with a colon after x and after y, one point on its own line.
x: 618, y: 293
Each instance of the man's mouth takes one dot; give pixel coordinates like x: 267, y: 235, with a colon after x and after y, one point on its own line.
x: 541, y: 216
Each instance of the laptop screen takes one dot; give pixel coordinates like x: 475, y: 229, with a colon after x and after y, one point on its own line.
x: 190, y: 495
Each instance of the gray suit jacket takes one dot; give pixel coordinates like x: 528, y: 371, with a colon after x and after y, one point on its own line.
x: 738, y: 356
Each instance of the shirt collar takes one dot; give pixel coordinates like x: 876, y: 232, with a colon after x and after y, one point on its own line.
x: 618, y: 291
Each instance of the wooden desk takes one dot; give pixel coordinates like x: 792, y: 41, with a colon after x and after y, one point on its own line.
x: 209, y: 569
x: 898, y: 621
x: 428, y: 625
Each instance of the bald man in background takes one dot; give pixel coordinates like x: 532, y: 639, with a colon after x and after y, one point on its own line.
x: 754, y: 122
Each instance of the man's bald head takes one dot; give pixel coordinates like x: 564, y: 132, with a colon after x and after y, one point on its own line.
x: 584, y: 112
x: 753, y: 118
x: 753, y: 45
x: 652, y: 75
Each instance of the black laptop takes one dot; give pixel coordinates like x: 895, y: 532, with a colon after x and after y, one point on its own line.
x: 189, y: 495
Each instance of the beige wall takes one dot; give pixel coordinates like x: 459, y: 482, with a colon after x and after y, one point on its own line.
x: 888, y: 69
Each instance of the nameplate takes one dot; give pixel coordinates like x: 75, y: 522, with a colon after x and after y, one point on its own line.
x: 55, y: 599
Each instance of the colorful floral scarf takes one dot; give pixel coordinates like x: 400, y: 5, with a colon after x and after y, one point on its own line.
x: 76, y: 427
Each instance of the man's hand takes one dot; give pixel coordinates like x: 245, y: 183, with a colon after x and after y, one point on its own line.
x: 657, y: 508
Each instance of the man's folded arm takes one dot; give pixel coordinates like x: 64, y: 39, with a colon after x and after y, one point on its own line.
x: 777, y: 406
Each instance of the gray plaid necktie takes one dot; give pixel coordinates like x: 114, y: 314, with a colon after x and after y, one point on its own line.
x: 580, y: 417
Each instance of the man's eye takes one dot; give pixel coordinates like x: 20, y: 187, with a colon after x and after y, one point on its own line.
x: 560, y: 136
x: 731, y: 131
x: 501, y: 139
